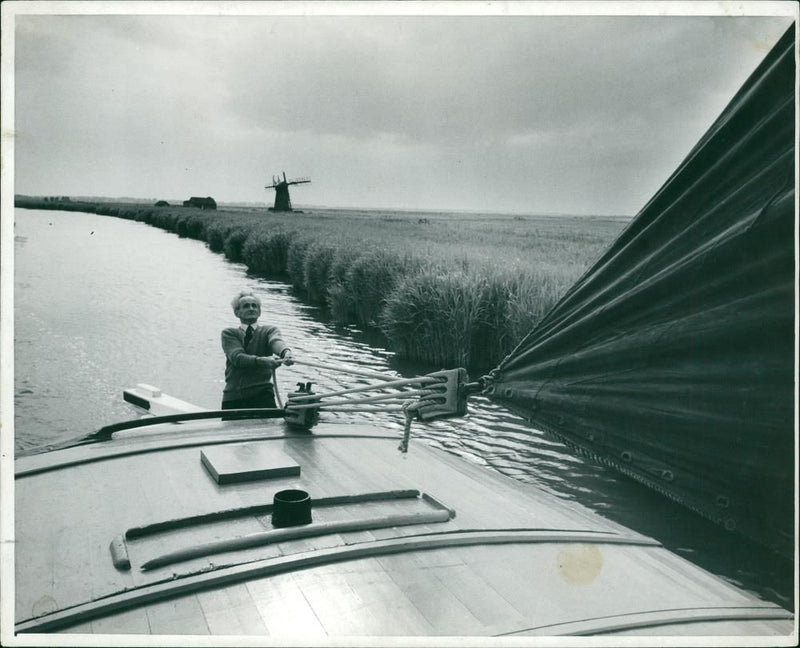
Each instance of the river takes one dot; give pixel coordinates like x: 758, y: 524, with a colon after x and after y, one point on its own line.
x: 102, y: 304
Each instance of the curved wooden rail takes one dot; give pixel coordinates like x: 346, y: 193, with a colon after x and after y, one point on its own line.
x: 104, y: 433
x: 657, y: 618
x: 295, y: 533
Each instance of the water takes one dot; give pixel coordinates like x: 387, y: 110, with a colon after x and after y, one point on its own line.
x: 102, y: 304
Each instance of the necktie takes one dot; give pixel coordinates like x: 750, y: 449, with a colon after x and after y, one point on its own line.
x: 248, y: 336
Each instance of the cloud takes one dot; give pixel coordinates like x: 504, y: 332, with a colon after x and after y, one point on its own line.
x: 420, y: 108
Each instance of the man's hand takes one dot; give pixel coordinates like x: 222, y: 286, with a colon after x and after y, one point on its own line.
x: 270, y: 362
x: 287, y: 358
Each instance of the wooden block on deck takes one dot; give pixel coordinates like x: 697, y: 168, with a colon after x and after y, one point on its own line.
x: 247, y: 462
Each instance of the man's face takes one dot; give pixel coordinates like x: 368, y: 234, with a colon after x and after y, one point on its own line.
x: 248, y: 311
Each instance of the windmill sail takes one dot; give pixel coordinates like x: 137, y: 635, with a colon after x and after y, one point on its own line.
x: 672, y: 358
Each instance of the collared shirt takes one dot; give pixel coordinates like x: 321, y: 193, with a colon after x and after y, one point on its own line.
x: 243, y: 329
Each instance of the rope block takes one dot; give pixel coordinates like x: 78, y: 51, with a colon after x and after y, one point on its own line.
x: 448, y: 397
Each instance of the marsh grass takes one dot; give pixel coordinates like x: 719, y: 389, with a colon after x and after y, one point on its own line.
x: 436, y: 312
x: 444, y: 289
x: 234, y: 243
x: 266, y: 251
x: 296, y: 261
x: 371, y: 278
x: 317, y: 264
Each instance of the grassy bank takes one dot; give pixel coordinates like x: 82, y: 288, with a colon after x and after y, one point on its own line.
x: 444, y: 289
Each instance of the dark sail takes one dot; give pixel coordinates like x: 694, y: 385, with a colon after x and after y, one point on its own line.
x: 672, y: 358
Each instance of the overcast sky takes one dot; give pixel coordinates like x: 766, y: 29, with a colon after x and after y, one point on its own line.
x: 531, y: 114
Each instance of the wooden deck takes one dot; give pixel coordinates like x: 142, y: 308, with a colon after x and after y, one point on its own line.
x: 423, y: 544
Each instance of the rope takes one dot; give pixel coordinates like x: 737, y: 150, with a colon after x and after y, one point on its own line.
x: 410, y: 410
x: 394, y: 383
x: 275, y: 389
x: 364, y: 374
x: 364, y: 408
x: 370, y: 399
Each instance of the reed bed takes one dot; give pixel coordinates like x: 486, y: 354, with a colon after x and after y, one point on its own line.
x: 443, y: 289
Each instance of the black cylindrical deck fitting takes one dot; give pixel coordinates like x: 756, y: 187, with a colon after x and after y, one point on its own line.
x: 291, y: 507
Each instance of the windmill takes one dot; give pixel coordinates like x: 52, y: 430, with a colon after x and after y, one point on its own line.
x: 281, y: 187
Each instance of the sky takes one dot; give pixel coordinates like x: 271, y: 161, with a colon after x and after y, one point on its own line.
x: 507, y: 113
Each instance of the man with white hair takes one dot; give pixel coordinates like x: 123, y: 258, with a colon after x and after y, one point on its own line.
x: 253, y: 352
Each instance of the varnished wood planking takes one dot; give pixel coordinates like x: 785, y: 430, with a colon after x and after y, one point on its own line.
x: 182, y: 615
x: 336, y: 476
x: 678, y: 572
x: 388, y: 608
x: 357, y: 457
x: 447, y: 566
x: 502, y: 499
x: 72, y: 560
x: 547, y: 583
x: 432, y: 598
x: 128, y: 622
x: 354, y: 598
x: 333, y: 602
x: 231, y: 611
x: 182, y: 482
x: 284, y: 608
x: 483, y: 500
x: 517, y: 574
x: 34, y: 540
x: 69, y: 526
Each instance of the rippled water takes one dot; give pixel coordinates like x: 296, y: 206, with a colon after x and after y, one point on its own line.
x: 102, y: 304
